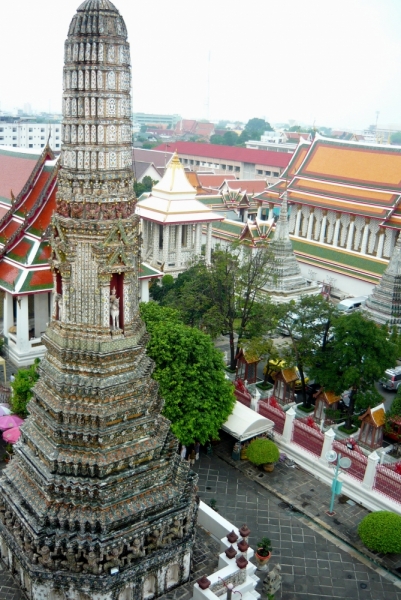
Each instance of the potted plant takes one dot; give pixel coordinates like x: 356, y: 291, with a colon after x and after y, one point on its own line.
x: 263, y: 552
x: 262, y: 451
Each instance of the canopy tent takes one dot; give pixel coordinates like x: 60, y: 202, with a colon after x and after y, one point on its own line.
x: 245, y: 423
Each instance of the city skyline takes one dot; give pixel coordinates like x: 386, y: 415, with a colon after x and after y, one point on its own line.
x: 333, y: 64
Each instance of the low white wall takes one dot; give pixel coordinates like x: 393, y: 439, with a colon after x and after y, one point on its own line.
x: 213, y: 522
x: 353, y: 488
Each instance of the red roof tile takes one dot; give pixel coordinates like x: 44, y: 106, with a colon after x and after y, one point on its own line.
x: 235, y: 153
x: 38, y: 280
x: 35, y: 193
x: 252, y: 186
x: 8, y: 275
x: 15, y: 169
x: 10, y: 228
x: 214, y: 181
x: 42, y: 222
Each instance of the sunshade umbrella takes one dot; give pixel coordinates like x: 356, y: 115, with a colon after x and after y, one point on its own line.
x: 4, y: 411
x: 12, y: 435
x: 10, y: 421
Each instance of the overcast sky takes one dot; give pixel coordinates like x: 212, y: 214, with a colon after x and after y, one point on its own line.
x: 332, y: 62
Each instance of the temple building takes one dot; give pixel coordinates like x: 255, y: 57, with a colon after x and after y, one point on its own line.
x: 172, y: 221
x: 96, y: 502
x: 28, y: 187
x: 344, y: 199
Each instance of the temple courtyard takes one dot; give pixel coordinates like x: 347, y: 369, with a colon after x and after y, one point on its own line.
x: 316, y: 553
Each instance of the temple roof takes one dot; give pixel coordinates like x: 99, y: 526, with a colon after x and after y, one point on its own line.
x: 376, y: 416
x: 173, y: 200
x: 344, y: 176
x: 260, y: 157
x: 25, y: 216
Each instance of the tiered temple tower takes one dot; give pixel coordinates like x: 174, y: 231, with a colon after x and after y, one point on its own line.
x: 384, y: 305
x: 96, y: 503
x: 288, y: 283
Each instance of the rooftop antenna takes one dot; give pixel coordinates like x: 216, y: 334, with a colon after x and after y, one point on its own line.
x: 208, y: 90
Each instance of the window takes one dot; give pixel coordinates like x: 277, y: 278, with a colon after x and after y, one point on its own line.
x: 1, y: 128
x: 42, y: 130
x: 30, y: 146
x: 30, y: 129
x: 275, y: 174
x: 14, y: 137
x: 1, y: 137
x: 259, y: 172
x: 230, y: 167
x: 57, y: 130
x: 30, y: 137
x: 42, y: 145
x: 14, y: 129
x: 57, y: 137
x: 268, y: 172
x: 42, y: 137
x: 237, y: 169
x: 14, y: 145
x: 57, y: 145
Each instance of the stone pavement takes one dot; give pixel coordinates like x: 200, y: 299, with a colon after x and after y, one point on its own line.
x: 315, y: 564
x: 9, y: 589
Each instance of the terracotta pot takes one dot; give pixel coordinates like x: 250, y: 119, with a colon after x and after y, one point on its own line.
x: 268, y: 467
x: 262, y: 560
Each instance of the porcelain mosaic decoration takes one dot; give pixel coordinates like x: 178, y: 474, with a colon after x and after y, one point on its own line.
x: 96, y: 502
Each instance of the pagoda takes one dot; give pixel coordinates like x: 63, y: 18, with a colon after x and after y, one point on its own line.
x: 384, y: 304
x: 287, y: 281
x: 96, y: 502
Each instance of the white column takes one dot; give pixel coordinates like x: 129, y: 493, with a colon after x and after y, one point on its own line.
x: 310, y: 226
x: 166, y: 241
x: 271, y: 206
x: 350, y: 237
x: 380, y: 244
x: 178, y: 259
x: 336, y: 231
x: 365, y: 239
x: 41, y: 313
x: 323, y: 229
x: 245, y: 215
x: 198, y: 239
x: 259, y: 213
x: 155, y: 229
x: 329, y: 438
x: 23, y: 344
x: 370, y: 473
x: 288, y: 425
x: 144, y: 290
x: 208, y: 253
x: 8, y: 319
x: 298, y: 221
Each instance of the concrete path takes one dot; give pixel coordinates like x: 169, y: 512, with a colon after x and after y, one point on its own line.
x: 315, y: 564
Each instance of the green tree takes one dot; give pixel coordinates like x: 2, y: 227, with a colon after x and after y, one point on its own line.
x: 256, y: 127
x: 216, y: 139
x: 355, y: 358
x: 190, y: 372
x: 159, y: 292
x: 144, y: 186
x: 262, y: 347
x: 395, y: 138
x: 307, y: 324
x: 230, y: 138
x: 22, y: 388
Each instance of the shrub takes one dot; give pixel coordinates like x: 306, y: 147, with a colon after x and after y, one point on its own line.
x: 264, y: 547
x: 262, y: 451
x: 22, y: 386
x: 381, y: 532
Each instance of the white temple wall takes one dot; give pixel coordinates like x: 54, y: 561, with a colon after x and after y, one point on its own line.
x: 41, y: 311
x: 349, y: 286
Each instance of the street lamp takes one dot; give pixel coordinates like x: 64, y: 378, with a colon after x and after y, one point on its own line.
x: 343, y: 463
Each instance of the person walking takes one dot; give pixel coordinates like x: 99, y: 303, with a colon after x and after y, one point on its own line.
x: 192, y: 457
x: 183, y: 452
x: 197, y: 450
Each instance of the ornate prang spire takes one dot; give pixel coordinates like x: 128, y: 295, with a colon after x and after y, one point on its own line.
x: 384, y: 305
x: 96, y: 502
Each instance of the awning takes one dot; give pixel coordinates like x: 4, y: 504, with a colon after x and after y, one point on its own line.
x: 245, y: 423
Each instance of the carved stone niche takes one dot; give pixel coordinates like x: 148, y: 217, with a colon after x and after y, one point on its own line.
x: 149, y: 587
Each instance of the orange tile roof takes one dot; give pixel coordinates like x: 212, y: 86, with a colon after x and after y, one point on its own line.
x: 330, y: 397
x: 214, y: 181
x: 251, y: 186
x: 375, y: 166
x: 345, y: 191
x: 339, y: 205
x: 289, y: 375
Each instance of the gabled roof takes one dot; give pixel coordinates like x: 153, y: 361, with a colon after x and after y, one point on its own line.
x: 234, y: 153
x: 214, y: 181
x: 16, y: 167
x: 376, y: 416
x: 158, y: 158
x: 250, y: 186
x: 173, y: 200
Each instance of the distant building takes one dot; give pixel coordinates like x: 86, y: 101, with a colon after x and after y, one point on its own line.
x: 191, y: 127
x: 169, y: 121
x: 30, y: 135
x: 243, y: 163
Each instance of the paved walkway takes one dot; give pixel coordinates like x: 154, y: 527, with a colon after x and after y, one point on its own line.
x: 315, y: 564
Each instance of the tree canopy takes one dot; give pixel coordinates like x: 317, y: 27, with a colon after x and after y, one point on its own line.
x: 355, y: 358
x: 190, y: 371
x: 256, y: 127
x: 143, y: 186
x: 229, y: 138
x: 22, y: 386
